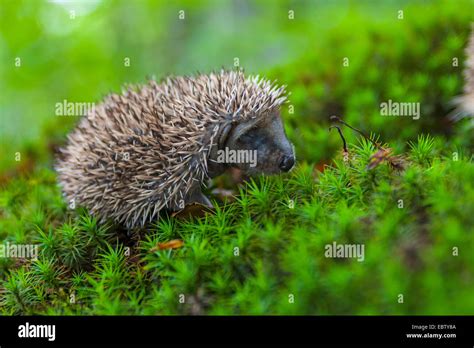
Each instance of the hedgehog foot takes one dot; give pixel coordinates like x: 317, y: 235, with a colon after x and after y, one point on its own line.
x: 199, y: 197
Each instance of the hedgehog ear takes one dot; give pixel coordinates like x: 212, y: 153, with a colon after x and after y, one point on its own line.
x: 235, y: 131
x: 244, y: 127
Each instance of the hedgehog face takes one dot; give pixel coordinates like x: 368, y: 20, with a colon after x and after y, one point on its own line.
x: 260, y: 146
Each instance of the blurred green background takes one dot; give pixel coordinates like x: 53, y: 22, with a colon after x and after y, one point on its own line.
x: 76, y: 50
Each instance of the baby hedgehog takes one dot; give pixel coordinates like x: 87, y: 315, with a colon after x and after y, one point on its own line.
x: 154, y: 146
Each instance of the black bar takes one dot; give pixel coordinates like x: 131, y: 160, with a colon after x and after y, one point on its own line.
x: 243, y: 329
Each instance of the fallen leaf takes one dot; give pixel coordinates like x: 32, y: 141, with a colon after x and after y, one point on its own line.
x: 172, y: 244
x: 378, y: 157
x: 320, y: 167
x: 397, y: 162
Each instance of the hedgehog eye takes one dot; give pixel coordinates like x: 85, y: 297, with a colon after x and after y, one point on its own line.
x: 245, y: 138
x: 249, y: 135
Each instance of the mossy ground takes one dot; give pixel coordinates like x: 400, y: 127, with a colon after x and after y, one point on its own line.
x: 263, y: 253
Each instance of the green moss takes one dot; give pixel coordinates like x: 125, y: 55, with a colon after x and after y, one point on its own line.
x: 252, y: 254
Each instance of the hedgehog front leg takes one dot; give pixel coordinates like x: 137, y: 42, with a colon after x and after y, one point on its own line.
x: 198, y: 197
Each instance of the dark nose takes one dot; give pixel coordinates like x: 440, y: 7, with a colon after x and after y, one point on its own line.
x: 287, y: 163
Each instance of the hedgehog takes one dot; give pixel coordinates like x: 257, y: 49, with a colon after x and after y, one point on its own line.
x: 156, y: 145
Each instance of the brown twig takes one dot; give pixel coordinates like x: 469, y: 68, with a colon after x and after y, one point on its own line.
x: 382, y: 153
x: 344, y: 144
x: 335, y: 119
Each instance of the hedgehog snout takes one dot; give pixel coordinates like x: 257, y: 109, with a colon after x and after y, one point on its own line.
x: 286, y: 158
x: 287, y: 162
